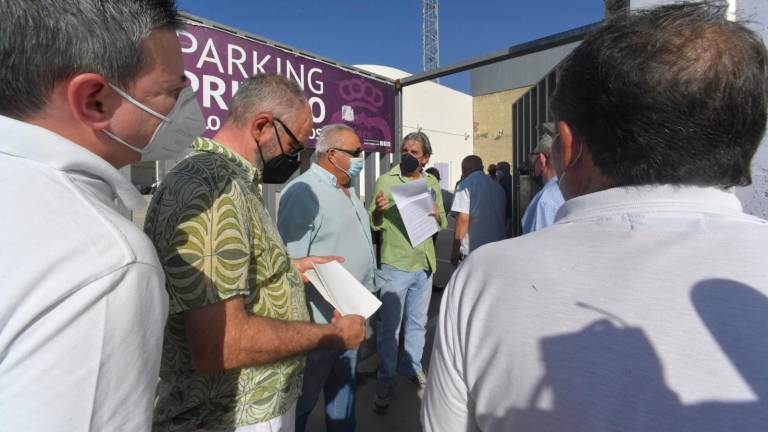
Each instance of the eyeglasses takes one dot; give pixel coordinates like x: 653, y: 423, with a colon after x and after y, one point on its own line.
x: 290, y: 134
x: 352, y: 153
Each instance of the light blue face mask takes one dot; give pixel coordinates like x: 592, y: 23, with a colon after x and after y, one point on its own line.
x: 355, y: 166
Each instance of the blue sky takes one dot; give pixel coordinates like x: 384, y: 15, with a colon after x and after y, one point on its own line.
x: 389, y: 32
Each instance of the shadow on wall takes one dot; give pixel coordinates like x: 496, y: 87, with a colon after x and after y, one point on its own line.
x: 605, y: 362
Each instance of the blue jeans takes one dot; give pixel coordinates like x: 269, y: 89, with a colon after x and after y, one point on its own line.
x: 409, y: 291
x: 333, y: 372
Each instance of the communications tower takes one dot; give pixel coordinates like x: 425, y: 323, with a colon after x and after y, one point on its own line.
x: 430, y: 35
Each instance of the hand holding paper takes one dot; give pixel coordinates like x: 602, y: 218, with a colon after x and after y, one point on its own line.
x: 416, y: 209
x: 351, y: 329
x: 304, y: 264
x: 342, y: 290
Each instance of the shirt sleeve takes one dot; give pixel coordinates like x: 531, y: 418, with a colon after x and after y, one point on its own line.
x: 445, y: 407
x: 542, y: 218
x: 126, y: 306
x: 297, y: 218
x: 208, y: 254
x: 461, y: 201
x: 546, y: 210
x: 372, y: 206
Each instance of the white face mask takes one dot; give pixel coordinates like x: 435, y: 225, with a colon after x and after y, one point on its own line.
x: 561, y: 176
x: 173, y: 137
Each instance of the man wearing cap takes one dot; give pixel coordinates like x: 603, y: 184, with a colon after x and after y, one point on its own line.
x: 543, y: 207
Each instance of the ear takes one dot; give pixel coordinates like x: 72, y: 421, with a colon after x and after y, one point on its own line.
x: 261, y: 125
x: 568, y: 144
x: 542, y: 159
x: 91, y: 100
x: 329, y: 152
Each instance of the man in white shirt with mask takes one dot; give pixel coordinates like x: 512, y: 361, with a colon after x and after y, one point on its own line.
x: 643, y: 307
x: 86, y: 88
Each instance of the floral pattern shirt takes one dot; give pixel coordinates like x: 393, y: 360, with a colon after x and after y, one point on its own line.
x: 215, y: 240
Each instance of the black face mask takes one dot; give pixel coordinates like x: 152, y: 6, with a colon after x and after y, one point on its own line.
x: 408, y: 164
x: 281, y: 167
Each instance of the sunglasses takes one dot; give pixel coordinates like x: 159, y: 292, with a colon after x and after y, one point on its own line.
x: 290, y: 134
x: 352, y: 153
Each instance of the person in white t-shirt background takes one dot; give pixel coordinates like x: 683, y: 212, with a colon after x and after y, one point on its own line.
x: 479, y: 206
x: 642, y: 308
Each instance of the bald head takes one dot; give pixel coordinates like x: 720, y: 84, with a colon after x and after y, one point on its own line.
x: 471, y: 164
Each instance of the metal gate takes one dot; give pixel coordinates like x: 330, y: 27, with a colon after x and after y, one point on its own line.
x: 528, y: 113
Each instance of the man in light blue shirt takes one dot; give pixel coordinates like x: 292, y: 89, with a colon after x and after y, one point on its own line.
x: 480, y: 209
x: 320, y: 214
x: 543, y: 207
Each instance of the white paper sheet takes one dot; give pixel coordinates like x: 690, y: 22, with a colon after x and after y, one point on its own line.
x: 339, y: 288
x: 415, y: 204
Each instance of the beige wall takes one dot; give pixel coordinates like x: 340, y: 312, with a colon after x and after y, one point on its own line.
x: 492, y: 115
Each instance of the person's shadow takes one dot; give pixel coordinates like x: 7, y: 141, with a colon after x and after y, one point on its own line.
x: 610, y: 360
x: 298, y: 222
x: 737, y: 317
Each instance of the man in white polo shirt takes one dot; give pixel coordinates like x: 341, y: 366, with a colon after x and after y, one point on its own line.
x: 86, y: 87
x: 479, y: 206
x: 643, y: 307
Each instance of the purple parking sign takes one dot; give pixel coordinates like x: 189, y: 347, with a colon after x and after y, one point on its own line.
x: 217, y: 60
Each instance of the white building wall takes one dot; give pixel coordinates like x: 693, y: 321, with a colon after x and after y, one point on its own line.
x: 444, y: 114
x: 755, y: 197
x: 755, y: 14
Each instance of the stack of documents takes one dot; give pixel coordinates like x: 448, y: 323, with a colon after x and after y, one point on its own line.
x: 415, y: 205
x: 342, y: 290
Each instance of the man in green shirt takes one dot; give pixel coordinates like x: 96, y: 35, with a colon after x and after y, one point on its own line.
x: 407, y: 269
x: 237, y: 329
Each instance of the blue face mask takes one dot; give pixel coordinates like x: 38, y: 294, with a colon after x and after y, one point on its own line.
x: 355, y: 166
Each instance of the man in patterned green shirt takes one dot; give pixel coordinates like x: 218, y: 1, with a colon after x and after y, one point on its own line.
x: 237, y: 329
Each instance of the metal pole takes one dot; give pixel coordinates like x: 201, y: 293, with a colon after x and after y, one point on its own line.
x: 370, y: 176
x: 398, y: 123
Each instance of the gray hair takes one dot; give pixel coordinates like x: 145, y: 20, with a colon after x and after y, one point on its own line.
x: 44, y: 42
x: 545, y: 145
x: 265, y: 93
x: 331, y: 136
x: 422, y: 138
x: 547, y: 138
